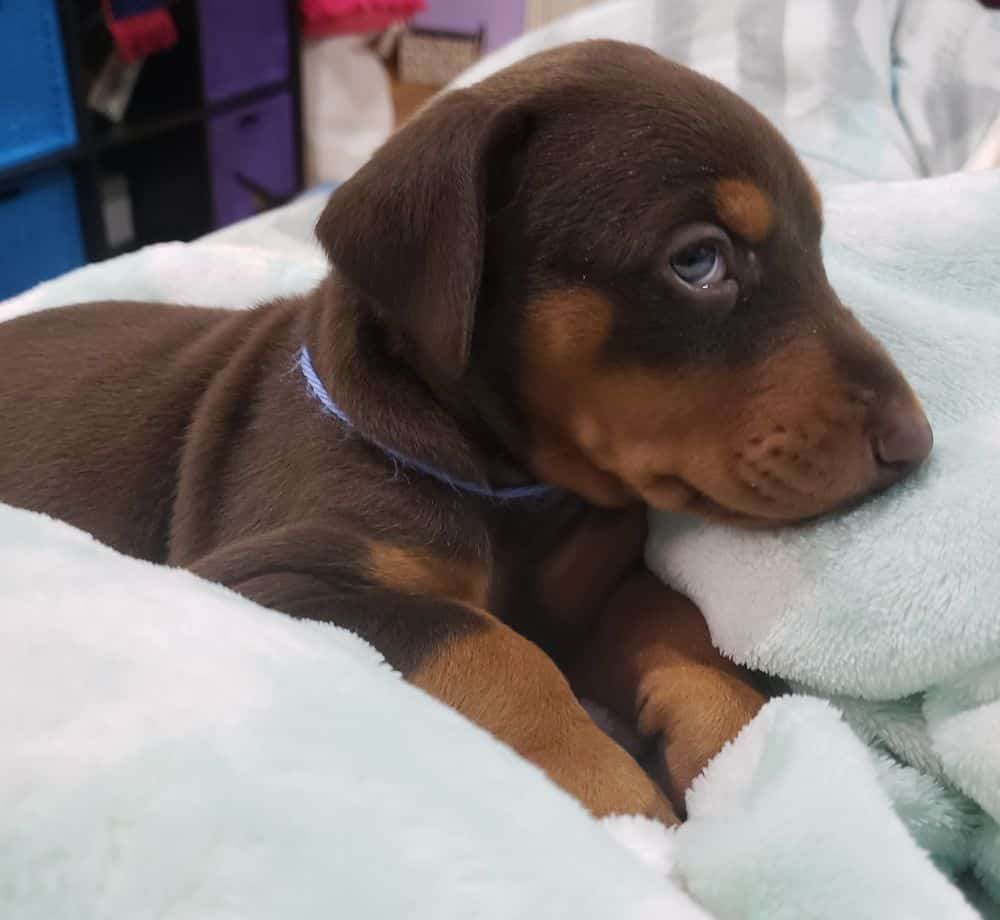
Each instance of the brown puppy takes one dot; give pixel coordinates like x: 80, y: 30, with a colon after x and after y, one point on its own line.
x: 595, y: 270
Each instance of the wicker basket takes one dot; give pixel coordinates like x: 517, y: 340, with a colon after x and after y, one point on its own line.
x: 436, y: 58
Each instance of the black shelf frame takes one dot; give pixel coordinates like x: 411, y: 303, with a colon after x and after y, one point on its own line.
x: 85, y: 157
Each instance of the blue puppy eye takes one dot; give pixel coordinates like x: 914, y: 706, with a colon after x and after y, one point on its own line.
x: 699, y: 264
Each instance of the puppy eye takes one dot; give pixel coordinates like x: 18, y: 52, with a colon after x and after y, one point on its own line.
x: 701, y: 264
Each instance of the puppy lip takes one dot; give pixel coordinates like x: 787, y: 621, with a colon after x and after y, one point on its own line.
x: 704, y: 506
x: 698, y: 503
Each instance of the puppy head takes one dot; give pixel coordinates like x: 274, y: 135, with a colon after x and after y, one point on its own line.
x: 628, y: 255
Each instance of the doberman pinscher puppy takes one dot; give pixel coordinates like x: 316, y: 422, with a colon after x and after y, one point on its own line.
x: 590, y: 283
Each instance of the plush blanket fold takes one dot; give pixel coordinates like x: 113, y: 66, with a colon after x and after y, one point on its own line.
x: 169, y: 749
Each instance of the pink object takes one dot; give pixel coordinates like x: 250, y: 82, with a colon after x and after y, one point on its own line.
x: 340, y: 17
x: 140, y: 31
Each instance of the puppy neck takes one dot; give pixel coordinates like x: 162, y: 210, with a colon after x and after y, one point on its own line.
x: 387, y: 400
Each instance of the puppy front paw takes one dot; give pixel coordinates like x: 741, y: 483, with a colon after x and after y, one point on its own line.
x: 692, y: 713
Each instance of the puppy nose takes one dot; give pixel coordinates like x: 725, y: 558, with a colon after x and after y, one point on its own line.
x: 901, y: 440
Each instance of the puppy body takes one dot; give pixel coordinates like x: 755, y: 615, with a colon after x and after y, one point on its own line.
x: 486, y: 320
x: 187, y: 436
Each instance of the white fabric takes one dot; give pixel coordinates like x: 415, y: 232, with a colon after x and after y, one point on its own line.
x: 347, y: 109
x: 864, y: 89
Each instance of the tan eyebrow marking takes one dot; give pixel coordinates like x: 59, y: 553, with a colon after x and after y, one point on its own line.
x: 744, y: 208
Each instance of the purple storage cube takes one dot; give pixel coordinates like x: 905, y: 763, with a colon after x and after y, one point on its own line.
x: 252, y: 152
x: 500, y: 20
x: 464, y: 16
x: 243, y: 45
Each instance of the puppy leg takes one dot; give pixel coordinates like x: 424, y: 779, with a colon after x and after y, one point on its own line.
x: 510, y: 687
x: 458, y: 653
x: 650, y: 660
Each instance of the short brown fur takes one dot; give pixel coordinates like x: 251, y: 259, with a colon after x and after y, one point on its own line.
x: 514, y: 298
x: 415, y: 571
x: 543, y: 721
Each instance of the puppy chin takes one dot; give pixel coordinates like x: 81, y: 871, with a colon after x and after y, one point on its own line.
x: 675, y: 495
x: 668, y: 493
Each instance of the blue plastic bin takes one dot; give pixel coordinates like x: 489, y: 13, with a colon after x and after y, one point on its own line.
x: 36, y: 110
x: 39, y: 230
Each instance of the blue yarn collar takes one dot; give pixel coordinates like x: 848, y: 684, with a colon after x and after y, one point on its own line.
x: 319, y: 392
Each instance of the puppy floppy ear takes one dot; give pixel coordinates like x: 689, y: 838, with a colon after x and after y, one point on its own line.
x: 408, y: 230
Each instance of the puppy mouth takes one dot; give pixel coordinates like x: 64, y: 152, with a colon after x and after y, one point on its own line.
x: 700, y: 504
x: 677, y: 495
x: 708, y: 508
x: 686, y: 498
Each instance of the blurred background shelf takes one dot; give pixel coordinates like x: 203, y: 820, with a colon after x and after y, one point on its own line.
x: 211, y: 133
x: 97, y: 159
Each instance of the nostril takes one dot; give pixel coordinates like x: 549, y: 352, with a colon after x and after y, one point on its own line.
x: 903, y: 440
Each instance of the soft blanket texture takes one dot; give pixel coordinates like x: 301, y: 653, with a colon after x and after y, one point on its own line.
x: 171, y: 750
